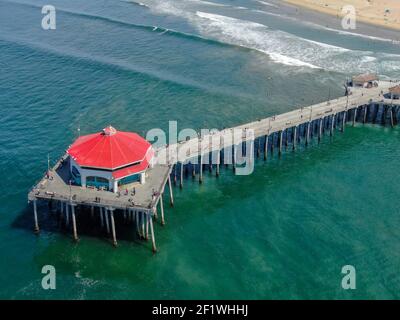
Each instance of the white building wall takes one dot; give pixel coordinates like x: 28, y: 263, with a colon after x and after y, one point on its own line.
x: 89, y: 173
x: 143, y: 177
x: 113, y: 183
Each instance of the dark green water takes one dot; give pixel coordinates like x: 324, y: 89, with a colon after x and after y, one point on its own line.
x: 283, y: 232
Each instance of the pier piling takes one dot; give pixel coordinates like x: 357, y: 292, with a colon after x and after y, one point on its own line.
x: 320, y: 129
x: 391, y: 117
x: 67, y: 214
x: 343, y: 120
x: 217, y: 163
x: 355, y: 117
x: 36, y: 225
x: 147, y: 218
x: 181, y: 179
x: 365, y: 113
x: 153, y: 240
x: 101, y: 217
x: 137, y: 222
x: 308, y: 133
x: 294, y: 137
x: 171, y: 195
x: 75, y: 233
x: 107, y: 220
x: 114, y: 237
x: 162, y: 209
x: 201, y: 168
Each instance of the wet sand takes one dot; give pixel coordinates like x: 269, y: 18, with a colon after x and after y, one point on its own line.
x: 330, y: 21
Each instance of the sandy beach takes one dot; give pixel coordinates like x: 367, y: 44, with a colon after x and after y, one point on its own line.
x: 384, y: 13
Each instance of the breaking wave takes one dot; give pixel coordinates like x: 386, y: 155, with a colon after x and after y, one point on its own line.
x: 282, y: 47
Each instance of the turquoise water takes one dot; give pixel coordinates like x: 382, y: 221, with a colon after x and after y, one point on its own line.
x: 283, y: 232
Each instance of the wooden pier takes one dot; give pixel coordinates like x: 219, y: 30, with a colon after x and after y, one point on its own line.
x: 209, y: 152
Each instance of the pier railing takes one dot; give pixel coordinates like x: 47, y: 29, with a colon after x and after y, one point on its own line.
x: 222, y: 139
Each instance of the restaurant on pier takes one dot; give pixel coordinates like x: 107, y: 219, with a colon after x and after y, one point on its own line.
x: 109, y: 160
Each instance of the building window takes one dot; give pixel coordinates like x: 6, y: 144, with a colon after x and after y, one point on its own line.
x: 98, y: 182
x: 130, y: 179
x: 75, y: 172
x: 76, y: 176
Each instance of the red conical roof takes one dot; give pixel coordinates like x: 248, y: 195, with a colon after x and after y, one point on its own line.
x: 109, y: 149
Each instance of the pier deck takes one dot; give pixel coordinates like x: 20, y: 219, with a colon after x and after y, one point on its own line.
x: 57, y: 187
x: 270, y: 125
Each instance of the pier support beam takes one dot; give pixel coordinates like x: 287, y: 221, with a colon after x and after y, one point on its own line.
x: 181, y: 179
x: 280, y: 142
x: 126, y: 218
x: 286, y: 138
x: 101, y: 217
x: 308, y: 133
x: 153, y: 240
x: 392, y: 117
x: 67, y: 214
x: 171, y: 195
x: 320, y: 130
x: 365, y: 113
x: 74, y: 231
x: 147, y: 218
x: 374, y: 116
x: 234, y: 154
x: 344, y: 120
x: 107, y: 220
x: 355, y: 116
x: 175, y: 174
x: 142, y: 223
x: 384, y: 115
x: 218, y: 163
x: 294, y: 137
x: 155, y: 211
x: 266, y: 148
x: 137, y: 222
x: 162, y: 209
x: 35, y: 216
x: 332, y: 124
x: 201, y: 168
x: 114, y: 236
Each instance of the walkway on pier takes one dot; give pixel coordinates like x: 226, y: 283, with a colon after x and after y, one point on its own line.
x: 278, y: 123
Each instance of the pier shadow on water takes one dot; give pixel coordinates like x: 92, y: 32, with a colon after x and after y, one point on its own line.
x: 51, y: 221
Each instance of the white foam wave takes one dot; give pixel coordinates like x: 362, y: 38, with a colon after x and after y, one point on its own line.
x: 267, y: 4
x: 367, y: 59
x: 282, y: 47
x: 279, y: 58
x: 136, y: 3
x: 210, y: 3
x: 256, y: 36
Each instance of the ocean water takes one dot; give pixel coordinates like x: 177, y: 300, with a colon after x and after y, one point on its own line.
x: 283, y: 232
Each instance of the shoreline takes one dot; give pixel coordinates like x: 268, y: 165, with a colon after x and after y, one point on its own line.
x: 330, y: 21
x: 365, y: 15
